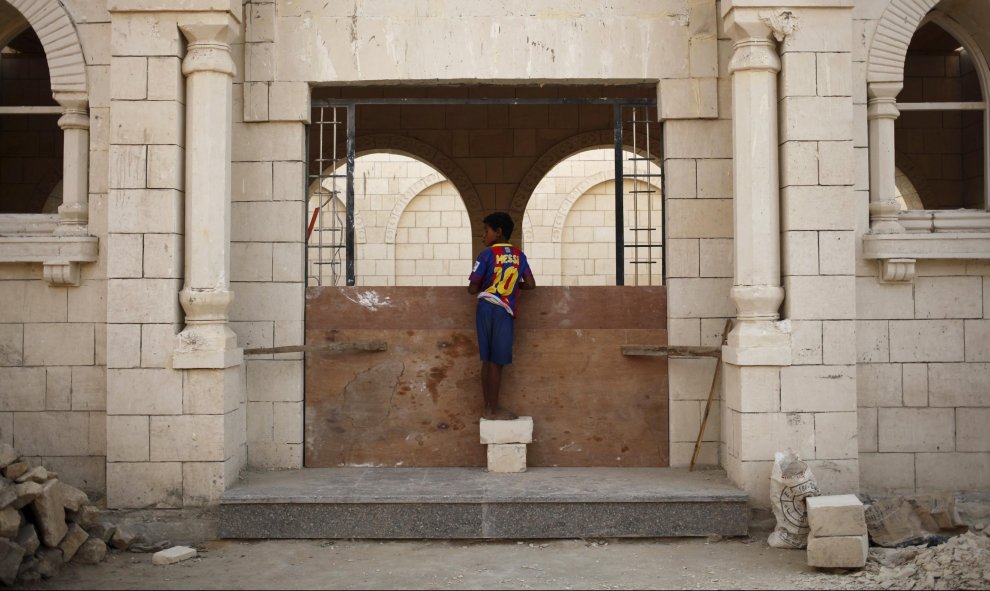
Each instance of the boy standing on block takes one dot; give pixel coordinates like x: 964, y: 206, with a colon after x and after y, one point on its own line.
x: 499, y: 273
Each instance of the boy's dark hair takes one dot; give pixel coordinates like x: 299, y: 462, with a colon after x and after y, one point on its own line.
x: 500, y: 220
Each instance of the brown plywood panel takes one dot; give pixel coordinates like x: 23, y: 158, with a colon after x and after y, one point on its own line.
x: 418, y: 403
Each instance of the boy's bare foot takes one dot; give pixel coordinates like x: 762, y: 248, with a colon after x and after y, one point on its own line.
x: 499, y: 414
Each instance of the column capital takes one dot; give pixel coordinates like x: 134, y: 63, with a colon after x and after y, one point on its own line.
x: 209, y: 44
x: 882, y: 101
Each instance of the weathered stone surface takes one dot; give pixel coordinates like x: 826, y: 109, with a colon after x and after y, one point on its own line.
x: 86, y: 515
x: 49, y: 515
x: 73, y: 540
x: 103, y: 531
x: 838, y: 551
x: 8, y: 455
x: 122, y: 538
x: 7, y: 493
x: 516, y: 431
x: 36, y: 474
x: 15, y: 470
x: 49, y: 561
x: 507, y: 457
x: 173, y: 555
x: 10, y: 561
x: 27, y: 538
x: 836, y: 515
x: 72, y: 498
x: 26, y: 492
x: 93, y: 551
x: 10, y: 522
x: 28, y: 572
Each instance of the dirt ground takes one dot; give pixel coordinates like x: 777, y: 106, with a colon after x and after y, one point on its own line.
x: 685, y: 563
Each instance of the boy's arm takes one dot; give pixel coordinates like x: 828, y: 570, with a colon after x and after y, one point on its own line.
x: 474, y: 287
x: 528, y: 282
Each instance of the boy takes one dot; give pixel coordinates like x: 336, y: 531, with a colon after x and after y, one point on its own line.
x: 498, y: 274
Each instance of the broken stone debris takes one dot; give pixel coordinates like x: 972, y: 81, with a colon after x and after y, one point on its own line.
x: 45, y: 523
x: 173, y: 555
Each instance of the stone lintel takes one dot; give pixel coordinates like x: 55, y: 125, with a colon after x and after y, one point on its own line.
x: 687, y: 98
x: 233, y: 7
x: 728, y: 5
x: 934, y: 245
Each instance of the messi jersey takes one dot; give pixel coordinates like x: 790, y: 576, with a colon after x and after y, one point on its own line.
x: 499, y: 269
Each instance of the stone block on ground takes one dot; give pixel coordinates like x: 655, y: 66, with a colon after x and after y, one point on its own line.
x: 8, y: 494
x: 838, y: 551
x: 26, y: 493
x: 15, y: 470
x: 28, y: 572
x: 10, y: 561
x: 72, y: 498
x: 103, y: 531
x: 836, y: 515
x: 37, y: 474
x: 86, y: 516
x: 173, y: 555
x: 49, y: 561
x: 73, y: 540
x: 10, y: 522
x: 93, y: 551
x: 27, y: 538
x: 507, y: 457
x: 49, y: 515
x: 516, y: 431
x: 122, y: 538
x: 8, y: 455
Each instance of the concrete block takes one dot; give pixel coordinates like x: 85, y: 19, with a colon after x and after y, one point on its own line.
x: 715, y: 179
x: 260, y: 422
x: 968, y: 472
x: 123, y: 345
x: 259, y: 62
x: 212, y: 392
x: 166, y: 164
x: 751, y: 389
x: 165, y: 79
x: 51, y: 433
x: 255, y: 101
x: 144, y: 301
x: 681, y: 178
x: 251, y: 261
x: 838, y: 551
x: 878, y: 384
x: 289, y: 180
x: 128, y: 78
x: 703, y: 297
x: 139, y: 485
x: 268, y: 301
x: 818, y: 208
x: 817, y: 388
x: 202, y: 483
x: 820, y: 297
x: 274, y: 380
x: 957, y: 384
x: 698, y: 139
x: 142, y: 33
x: 836, y: 164
x: 797, y: 74
x: 866, y: 431
x: 684, y: 331
x: 684, y: 420
x: 837, y: 253
x: 716, y: 257
x: 128, y: 438
x: 838, y: 342
x: 816, y: 118
x: 289, y: 101
x: 836, y: 436
x: 146, y: 122
x: 916, y: 429
x: 497, y: 432
x: 137, y: 211
x: 915, y: 380
x: 144, y: 392
x: 163, y: 256
x: 799, y: 253
x: 887, y: 472
x: 128, y: 167
x: 834, y: 74
x: 836, y: 515
x: 11, y: 345
x: 682, y: 257
x: 274, y: 456
x: 87, y: 303
x: 760, y: 435
x: 89, y: 388
x: 187, y: 438
x: 507, y: 457
x: 288, y: 261
x: 872, y: 341
x: 288, y: 422
x: 690, y: 379
x: 806, y: 342
x: 251, y: 181
x: 58, y: 388
x: 33, y: 301
x: 124, y: 255
x: 926, y: 340
x: 268, y: 141
x: 971, y: 429
x: 977, y: 340
x: 269, y: 221
x: 798, y: 163
x: 948, y: 297
x: 260, y: 23
x: 699, y: 218
x: 688, y: 98
x: 24, y: 388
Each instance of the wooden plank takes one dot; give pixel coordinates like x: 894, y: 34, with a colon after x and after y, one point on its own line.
x: 322, y: 348
x: 670, y: 351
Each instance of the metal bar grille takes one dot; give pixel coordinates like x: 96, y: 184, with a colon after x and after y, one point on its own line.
x: 643, y: 231
x: 326, y: 240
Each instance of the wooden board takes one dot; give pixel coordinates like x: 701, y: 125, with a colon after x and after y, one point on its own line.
x: 418, y: 402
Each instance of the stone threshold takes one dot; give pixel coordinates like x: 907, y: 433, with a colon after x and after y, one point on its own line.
x: 457, y: 503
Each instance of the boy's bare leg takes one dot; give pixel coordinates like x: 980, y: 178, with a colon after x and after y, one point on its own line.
x: 491, y: 382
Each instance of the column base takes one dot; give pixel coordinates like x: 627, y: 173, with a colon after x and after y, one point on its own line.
x: 759, y: 343
x: 206, y: 345
x: 207, y: 359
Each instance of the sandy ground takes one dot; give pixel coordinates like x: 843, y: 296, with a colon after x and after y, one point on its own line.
x: 684, y: 563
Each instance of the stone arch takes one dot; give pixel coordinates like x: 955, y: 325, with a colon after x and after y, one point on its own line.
x: 403, y: 201
x: 603, y: 138
x: 580, y: 189
x: 893, y: 35
x: 407, y: 146
x: 66, y: 65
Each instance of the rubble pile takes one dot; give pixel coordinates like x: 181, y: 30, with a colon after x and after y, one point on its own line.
x: 45, y: 523
x: 962, y: 562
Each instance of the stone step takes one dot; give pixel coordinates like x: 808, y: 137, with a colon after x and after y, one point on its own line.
x: 458, y: 503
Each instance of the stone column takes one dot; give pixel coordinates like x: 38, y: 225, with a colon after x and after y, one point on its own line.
x: 207, y: 341
x: 881, y: 113
x: 73, y: 214
x: 756, y: 339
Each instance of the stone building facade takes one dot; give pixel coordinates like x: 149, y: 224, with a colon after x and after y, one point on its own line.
x: 789, y: 129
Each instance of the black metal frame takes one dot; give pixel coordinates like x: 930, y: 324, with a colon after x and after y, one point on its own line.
x: 618, y: 105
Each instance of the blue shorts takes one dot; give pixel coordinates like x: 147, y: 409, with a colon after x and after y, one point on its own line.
x: 495, y: 329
